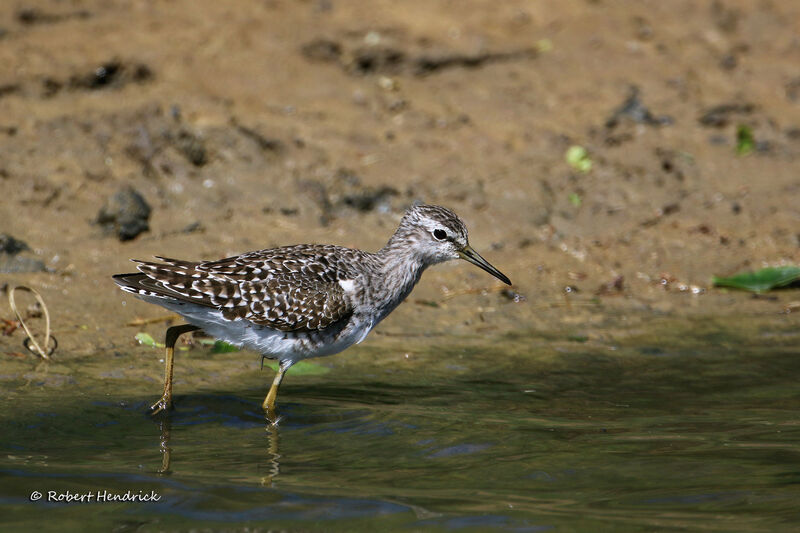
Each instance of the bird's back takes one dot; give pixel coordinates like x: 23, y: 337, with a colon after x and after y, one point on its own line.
x: 291, y: 288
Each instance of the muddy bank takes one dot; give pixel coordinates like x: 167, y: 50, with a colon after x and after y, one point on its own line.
x: 320, y: 121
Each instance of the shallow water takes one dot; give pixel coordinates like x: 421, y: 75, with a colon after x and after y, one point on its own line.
x: 679, y: 426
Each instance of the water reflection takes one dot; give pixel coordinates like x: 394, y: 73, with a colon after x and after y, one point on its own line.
x: 680, y: 433
x: 165, y: 425
x: 272, y: 456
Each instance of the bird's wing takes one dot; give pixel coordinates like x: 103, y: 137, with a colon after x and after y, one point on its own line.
x: 289, y: 289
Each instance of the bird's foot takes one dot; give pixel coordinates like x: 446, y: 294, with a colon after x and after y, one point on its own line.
x: 273, y: 419
x: 270, y: 413
x: 163, y: 404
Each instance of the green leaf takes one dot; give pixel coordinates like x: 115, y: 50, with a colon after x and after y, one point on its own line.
x: 745, y: 142
x: 578, y: 158
x: 302, y: 368
x: 543, y: 45
x: 223, y: 347
x: 147, y: 340
x: 762, y: 280
x: 575, y: 199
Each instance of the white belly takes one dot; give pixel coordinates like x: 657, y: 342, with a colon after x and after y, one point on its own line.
x: 274, y: 344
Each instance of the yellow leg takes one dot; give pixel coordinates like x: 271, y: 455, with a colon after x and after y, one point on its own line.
x: 165, y: 402
x: 269, y: 401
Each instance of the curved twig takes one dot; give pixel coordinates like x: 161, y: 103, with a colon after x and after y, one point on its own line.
x: 47, y: 351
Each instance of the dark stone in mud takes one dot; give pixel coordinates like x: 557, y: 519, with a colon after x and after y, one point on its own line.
x: 10, y: 245
x: 720, y: 115
x: 126, y: 213
x: 634, y: 110
x: 12, y: 262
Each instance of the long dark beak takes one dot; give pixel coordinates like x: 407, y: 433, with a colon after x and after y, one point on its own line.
x: 468, y: 254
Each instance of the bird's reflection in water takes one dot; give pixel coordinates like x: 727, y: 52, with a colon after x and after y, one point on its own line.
x: 272, y: 466
x: 165, y: 425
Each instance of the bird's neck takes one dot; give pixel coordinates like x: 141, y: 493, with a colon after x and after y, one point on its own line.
x: 400, y: 268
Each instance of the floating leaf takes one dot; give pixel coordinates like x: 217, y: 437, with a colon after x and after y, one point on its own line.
x: 578, y: 158
x: 147, y: 340
x: 745, y: 142
x: 762, y: 280
x: 302, y: 368
x: 223, y: 347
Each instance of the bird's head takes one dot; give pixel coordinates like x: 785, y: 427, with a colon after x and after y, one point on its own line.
x: 439, y: 235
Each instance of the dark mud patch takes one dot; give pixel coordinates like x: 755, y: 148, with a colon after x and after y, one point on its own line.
x: 113, y: 74
x: 192, y: 147
x: 356, y: 58
x: 721, y: 115
x: 430, y: 64
x: 9, y: 89
x: 634, y: 110
x: 16, y: 256
x: 346, y: 194
x: 33, y: 16
x: 265, y: 143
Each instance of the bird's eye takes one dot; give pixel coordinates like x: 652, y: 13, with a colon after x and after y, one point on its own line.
x: 439, y: 234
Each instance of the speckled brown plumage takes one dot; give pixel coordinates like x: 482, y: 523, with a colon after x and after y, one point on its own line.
x: 292, y: 288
